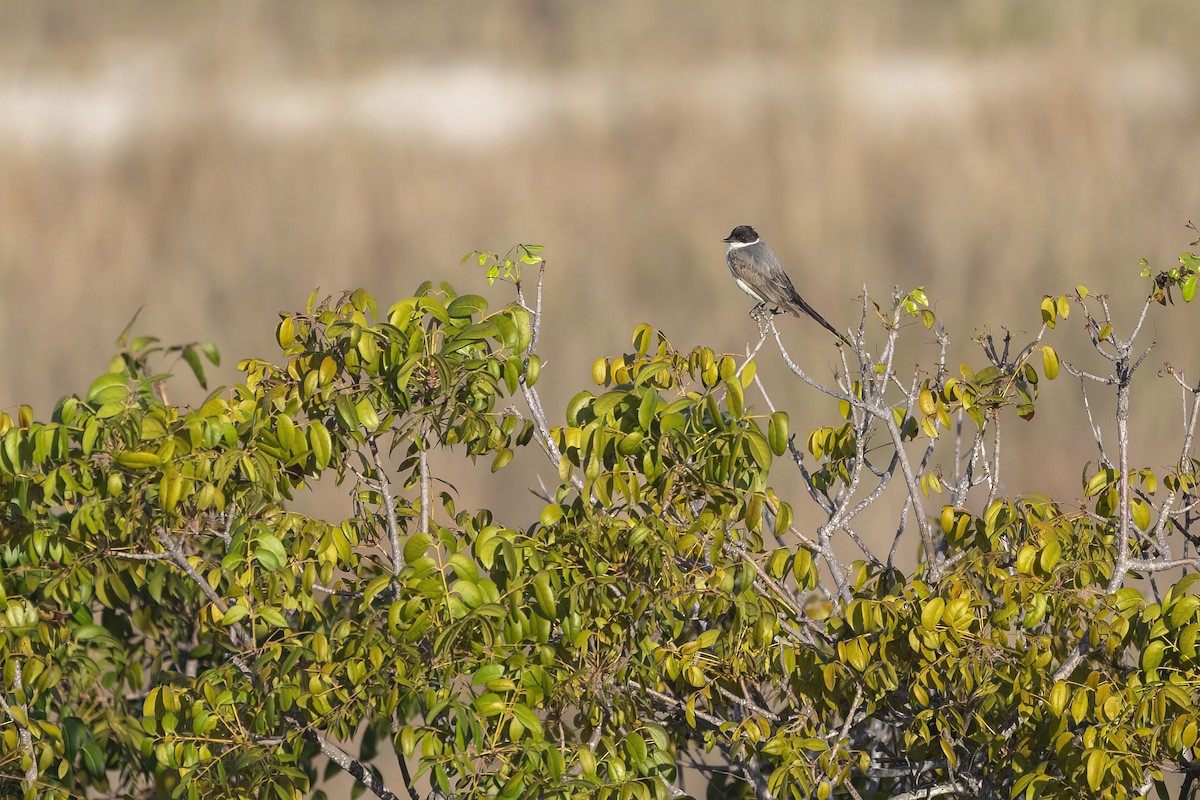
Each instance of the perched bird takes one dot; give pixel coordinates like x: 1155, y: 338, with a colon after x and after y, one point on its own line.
x: 757, y: 272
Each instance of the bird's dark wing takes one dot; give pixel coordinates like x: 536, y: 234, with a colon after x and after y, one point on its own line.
x: 763, y: 275
x: 758, y: 272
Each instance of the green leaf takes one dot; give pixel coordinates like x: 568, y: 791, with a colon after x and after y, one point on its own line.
x: 272, y: 616
x: 1188, y: 285
x: 635, y: 745
x: 931, y: 613
x: 1140, y: 512
x: 464, y: 306
x: 210, y: 352
x: 108, y: 388
x: 234, y: 614
x: 733, y: 397
x: 269, y: 552
x: 1049, y: 362
x: 1059, y: 697
x: 93, y: 760
x: 415, y: 546
x: 193, y: 360
x: 1049, y: 311
x: 1097, y: 766
x: 91, y: 631
x: 544, y: 595
x: 321, y: 444
x: 138, y: 459
x: 527, y: 718
x: 576, y: 405
x: 777, y: 432
x: 647, y: 409
x: 285, y: 333
x: 1080, y: 706
x: 1152, y: 656
x: 503, y: 457
x: 346, y: 413
x: 760, y: 451
x: 486, y: 673
x: 490, y: 704
x: 1050, y: 555
x: 1100, y: 481
x: 551, y: 514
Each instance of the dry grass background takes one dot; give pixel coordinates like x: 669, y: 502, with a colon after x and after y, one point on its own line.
x: 216, y: 162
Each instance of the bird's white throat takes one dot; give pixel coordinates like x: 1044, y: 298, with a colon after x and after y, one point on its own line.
x: 736, y: 245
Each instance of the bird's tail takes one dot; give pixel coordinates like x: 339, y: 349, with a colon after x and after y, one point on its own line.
x: 799, y: 305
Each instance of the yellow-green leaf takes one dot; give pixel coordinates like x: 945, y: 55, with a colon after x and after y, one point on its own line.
x: 321, y: 444
x: 777, y: 432
x: 544, y: 595
x: 138, y: 459
x: 1049, y: 362
x: 1048, y: 311
x: 1060, y: 695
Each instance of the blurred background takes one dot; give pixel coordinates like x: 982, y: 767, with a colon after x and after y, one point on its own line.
x: 214, y: 162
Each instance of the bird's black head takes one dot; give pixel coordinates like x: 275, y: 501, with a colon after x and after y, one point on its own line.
x: 742, y: 234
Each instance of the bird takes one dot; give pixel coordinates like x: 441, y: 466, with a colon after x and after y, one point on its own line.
x: 758, y: 273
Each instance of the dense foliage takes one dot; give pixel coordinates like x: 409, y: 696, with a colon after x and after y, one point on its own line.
x: 172, y: 626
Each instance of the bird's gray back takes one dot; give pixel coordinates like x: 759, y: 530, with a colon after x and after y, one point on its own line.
x: 757, y: 266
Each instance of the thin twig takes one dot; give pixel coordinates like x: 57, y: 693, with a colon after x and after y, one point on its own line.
x: 958, y: 787
x: 389, y: 506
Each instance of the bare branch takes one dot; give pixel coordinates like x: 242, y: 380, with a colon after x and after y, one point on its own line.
x: 532, y: 399
x: 140, y: 556
x: 337, y: 592
x: 914, y: 493
x: 389, y: 506
x: 1148, y: 565
x: 994, y: 469
x: 1185, y: 453
x: 1137, y: 327
x: 675, y: 704
x: 1096, y: 434
x: 958, y: 787
x: 801, y: 374
x: 747, y: 704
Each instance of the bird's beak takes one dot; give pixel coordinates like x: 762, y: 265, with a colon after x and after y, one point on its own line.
x: 727, y: 239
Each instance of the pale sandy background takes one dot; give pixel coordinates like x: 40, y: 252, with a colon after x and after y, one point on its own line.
x: 214, y: 162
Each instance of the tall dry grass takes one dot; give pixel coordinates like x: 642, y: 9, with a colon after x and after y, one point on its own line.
x: 993, y: 153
